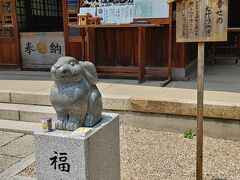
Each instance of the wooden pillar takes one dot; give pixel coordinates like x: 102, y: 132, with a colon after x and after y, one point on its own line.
x: 90, y: 46
x: 65, y: 27
x: 170, y: 45
x: 141, y: 53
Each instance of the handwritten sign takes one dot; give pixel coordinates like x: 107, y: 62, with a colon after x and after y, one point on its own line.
x: 116, y: 14
x: 202, y: 20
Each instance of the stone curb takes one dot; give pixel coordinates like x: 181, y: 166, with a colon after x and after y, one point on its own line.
x: 186, y: 108
x: 118, y: 103
x: 29, y: 112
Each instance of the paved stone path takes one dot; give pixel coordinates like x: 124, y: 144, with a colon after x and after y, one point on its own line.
x: 145, y: 154
x: 14, y: 149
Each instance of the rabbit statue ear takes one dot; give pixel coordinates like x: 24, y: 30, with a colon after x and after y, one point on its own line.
x: 90, y: 72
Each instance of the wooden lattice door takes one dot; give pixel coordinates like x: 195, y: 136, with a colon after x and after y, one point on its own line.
x: 9, y: 36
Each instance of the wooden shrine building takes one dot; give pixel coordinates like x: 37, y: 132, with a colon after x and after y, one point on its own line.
x: 34, y: 33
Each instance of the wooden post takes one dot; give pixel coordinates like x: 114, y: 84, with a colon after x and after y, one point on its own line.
x: 200, y: 90
x: 195, y: 22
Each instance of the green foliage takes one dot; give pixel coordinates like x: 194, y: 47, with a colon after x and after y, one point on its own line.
x: 189, y: 134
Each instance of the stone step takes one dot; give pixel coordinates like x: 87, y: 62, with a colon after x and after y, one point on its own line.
x: 20, y: 127
x: 28, y: 113
x: 26, y: 106
x: 25, y: 97
x: 29, y: 106
x: 27, y: 119
x: 5, y: 96
x: 30, y: 98
x: 115, y: 102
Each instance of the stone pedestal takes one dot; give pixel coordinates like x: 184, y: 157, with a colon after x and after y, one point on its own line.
x: 80, y: 155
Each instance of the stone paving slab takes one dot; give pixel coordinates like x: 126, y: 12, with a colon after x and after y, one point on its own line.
x: 25, y: 85
x: 17, y: 167
x: 7, y: 137
x: 135, y: 90
x: 7, y: 161
x: 22, y: 178
x: 20, y: 147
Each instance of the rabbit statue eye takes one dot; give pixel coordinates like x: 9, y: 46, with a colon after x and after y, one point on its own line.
x: 72, y: 63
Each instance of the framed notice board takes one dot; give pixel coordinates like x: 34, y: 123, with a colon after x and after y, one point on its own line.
x: 202, y: 21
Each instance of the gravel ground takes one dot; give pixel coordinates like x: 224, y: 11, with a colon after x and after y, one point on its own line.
x: 155, y: 155
x: 30, y: 171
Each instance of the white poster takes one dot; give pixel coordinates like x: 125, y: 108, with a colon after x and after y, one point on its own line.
x: 101, y: 13
x: 90, y: 10
x: 41, y: 50
x: 151, y: 9
x: 122, y: 14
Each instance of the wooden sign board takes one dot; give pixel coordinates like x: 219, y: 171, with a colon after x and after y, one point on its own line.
x: 202, y: 20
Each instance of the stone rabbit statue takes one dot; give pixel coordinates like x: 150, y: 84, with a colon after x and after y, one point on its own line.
x: 74, y: 95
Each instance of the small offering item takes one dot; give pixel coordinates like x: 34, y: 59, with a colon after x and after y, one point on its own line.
x: 82, y: 131
x: 87, y: 19
x: 47, y: 124
x: 94, y: 20
x: 83, y: 19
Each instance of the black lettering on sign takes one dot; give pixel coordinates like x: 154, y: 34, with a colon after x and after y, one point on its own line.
x: 220, y: 12
x: 29, y: 48
x: 59, y: 162
x: 208, y: 22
